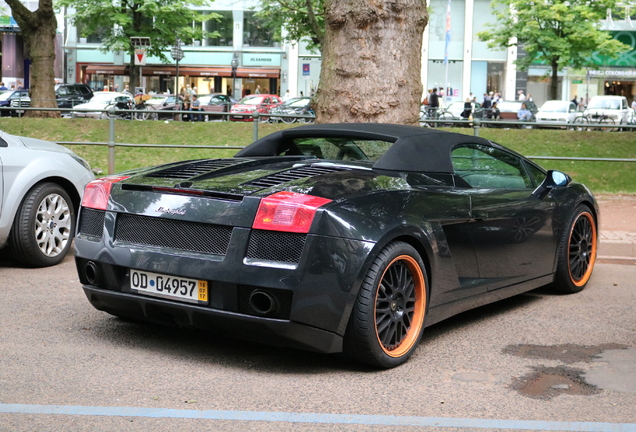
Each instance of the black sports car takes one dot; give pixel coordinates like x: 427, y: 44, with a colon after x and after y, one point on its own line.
x: 335, y: 237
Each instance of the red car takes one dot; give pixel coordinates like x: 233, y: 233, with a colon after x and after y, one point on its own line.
x: 258, y: 102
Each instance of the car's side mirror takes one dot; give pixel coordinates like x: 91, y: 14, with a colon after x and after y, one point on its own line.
x: 553, y: 180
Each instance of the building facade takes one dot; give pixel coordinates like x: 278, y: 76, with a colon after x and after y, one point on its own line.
x: 471, y: 67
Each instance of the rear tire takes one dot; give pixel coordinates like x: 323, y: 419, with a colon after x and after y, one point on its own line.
x: 387, y: 319
x: 577, y: 252
x: 43, y: 229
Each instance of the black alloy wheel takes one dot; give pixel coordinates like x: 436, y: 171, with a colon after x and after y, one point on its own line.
x: 577, y: 252
x: 387, y: 320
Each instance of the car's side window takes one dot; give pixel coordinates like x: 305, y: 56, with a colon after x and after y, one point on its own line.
x: 537, y: 174
x: 490, y: 168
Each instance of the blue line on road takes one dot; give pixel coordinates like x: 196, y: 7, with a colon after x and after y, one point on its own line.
x: 290, y: 417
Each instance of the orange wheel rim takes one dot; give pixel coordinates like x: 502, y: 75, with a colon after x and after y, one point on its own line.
x: 582, y: 249
x: 400, y: 302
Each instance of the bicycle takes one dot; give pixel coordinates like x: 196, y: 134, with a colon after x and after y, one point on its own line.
x: 142, y: 107
x: 606, y: 123
x: 435, y: 113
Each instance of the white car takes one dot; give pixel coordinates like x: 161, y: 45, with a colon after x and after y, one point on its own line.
x: 613, y: 107
x: 556, y: 111
x: 102, y: 101
x: 41, y: 186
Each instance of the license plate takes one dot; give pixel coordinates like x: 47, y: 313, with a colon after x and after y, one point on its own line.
x: 173, y: 287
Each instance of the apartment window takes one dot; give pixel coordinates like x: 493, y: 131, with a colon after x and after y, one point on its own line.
x: 257, y: 32
x: 223, y: 26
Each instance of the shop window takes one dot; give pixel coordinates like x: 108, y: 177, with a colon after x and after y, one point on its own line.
x: 223, y: 26
x: 257, y: 31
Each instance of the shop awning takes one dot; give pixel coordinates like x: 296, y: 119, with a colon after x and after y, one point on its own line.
x: 257, y: 73
x: 171, y: 70
x: 106, y: 69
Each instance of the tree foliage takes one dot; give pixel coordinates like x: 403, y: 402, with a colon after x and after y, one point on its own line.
x: 163, y: 21
x: 561, y: 33
x: 300, y: 19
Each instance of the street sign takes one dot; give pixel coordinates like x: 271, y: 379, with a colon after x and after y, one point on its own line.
x: 140, y: 57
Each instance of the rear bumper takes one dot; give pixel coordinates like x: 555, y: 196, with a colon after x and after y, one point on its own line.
x: 275, y: 332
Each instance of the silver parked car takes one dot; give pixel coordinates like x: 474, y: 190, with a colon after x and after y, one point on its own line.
x: 41, y: 185
x: 556, y: 111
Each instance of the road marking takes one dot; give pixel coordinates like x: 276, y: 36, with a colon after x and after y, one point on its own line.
x: 290, y: 417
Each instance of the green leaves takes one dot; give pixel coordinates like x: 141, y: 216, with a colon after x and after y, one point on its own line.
x: 163, y: 21
x: 561, y: 32
x: 299, y: 19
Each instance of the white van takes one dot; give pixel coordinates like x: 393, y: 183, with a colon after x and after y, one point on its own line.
x: 614, y: 107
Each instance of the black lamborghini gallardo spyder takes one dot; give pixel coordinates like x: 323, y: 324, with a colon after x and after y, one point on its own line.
x: 336, y: 237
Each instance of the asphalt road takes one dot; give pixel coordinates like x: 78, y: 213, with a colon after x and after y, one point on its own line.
x: 535, y: 362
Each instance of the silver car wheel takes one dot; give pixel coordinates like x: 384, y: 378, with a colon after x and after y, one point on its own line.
x: 53, y: 225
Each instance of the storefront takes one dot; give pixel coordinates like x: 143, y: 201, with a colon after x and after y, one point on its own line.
x: 161, y: 78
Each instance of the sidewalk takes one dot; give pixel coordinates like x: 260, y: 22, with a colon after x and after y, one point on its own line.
x: 617, y: 235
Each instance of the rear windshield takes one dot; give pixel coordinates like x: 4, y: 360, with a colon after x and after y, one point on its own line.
x: 344, y: 149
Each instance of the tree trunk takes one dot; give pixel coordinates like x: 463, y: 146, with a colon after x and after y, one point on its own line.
x: 38, y: 30
x: 135, y: 79
x: 371, y: 61
x: 554, y: 81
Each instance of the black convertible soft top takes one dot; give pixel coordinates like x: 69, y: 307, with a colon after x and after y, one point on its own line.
x: 414, y: 148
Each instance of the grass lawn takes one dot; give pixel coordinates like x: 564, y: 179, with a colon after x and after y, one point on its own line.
x: 601, y: 177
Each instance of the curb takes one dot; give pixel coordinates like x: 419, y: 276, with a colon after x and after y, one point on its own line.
x: 617, y: 247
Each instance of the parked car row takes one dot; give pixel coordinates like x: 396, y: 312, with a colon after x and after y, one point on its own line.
x: 611, y: 112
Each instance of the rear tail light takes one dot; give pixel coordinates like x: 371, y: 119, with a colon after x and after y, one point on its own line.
x: 288, y: 211
x: 97, y: 192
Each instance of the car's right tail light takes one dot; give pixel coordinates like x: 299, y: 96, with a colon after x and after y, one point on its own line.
x: 288, y: 211
x: 97, y: 192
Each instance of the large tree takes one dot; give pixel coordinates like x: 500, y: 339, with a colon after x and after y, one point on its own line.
x: 371, y: 61
x: 38, y: 29
x: 559, y: 33
x: 163, y: 21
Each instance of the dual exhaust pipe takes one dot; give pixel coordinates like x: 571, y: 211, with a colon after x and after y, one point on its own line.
x: 261, y: 302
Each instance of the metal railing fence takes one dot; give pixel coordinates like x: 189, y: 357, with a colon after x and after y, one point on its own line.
x: 476, y: 124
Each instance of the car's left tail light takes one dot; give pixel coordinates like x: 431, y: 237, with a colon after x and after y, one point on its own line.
x: 97, y: 192
x: 288, y: 211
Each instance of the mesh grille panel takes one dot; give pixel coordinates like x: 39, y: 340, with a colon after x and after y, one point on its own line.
x: 293, y: 174
x: 276, y: 246
x: 92, y: 222
x: 195, y: 168
x: 188, y: 236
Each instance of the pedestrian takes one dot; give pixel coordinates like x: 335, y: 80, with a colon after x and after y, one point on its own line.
x: 487, y: 103
x: 529, y: 98
x: 126, y: 90
x: 258, y: 90
x: 521, y: 97
x: 427, y: 98
x: 287, y: 95
x: 196, y: 106
x: 433, y: 103
x: 634, y: 104
x: 524, y: 113
x: 493, y: 113
x: 468, y: 109
x: 2, y: 86
x: 575, y: 102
